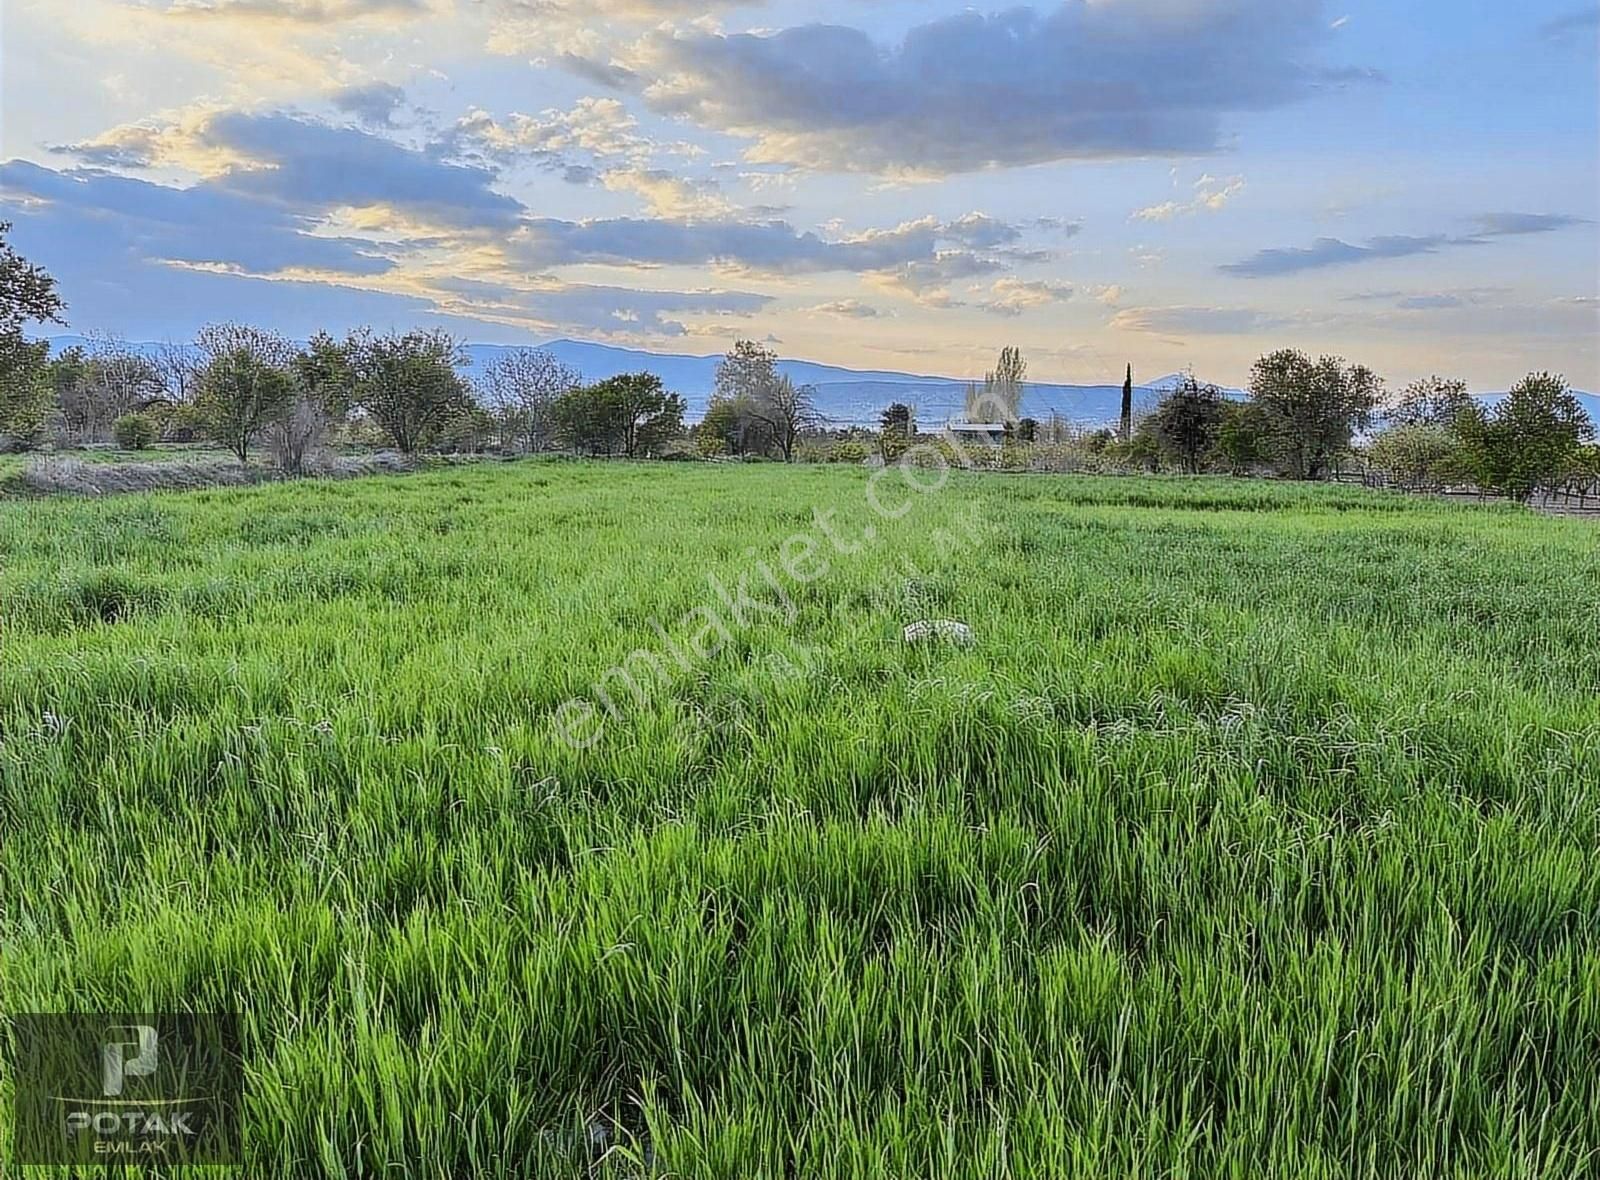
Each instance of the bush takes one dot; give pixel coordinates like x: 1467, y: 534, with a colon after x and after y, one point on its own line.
x: 1417, y: 456
x: 183, y: 423
x: 134, y: 432
x: 298, y: 436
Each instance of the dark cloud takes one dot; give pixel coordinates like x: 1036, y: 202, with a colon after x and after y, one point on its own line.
x: 310, y: 164
x: 1327, y: 252
x: 201, y: 225
x: 970, y: 91
x: 374, y: 104
x: 926, y: 252
x: 1506, y: 224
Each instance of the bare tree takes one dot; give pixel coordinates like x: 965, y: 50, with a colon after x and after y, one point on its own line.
x: 742, y: 402
x: 521, y: 386
x: 115, y: 380
x: 296, y: 436
x: 1002, y: 388
x: 785, y: 411
x: 179, y: 369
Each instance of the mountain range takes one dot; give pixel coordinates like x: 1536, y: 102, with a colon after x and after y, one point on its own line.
x: 845, y: 397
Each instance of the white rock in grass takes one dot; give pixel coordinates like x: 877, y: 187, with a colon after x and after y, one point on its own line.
x: 946, y: 629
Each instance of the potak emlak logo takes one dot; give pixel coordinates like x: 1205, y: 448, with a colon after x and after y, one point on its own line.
x: 126, y: 1089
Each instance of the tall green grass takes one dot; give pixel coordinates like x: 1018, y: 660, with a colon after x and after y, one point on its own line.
x: 1256, y: 835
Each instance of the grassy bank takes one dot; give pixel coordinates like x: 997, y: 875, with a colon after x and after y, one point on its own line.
x: 1254, y: 835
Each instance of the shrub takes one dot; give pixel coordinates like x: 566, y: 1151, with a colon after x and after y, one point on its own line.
x: 1417, y: 456
x: 297, y: 437
x: 134, y: 432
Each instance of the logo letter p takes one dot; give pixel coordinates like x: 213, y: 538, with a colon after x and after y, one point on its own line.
x: 115, y: 1065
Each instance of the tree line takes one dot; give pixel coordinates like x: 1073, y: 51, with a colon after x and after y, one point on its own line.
x: 245, y: 389
x: 1302, y: 417
x: 248, y: 389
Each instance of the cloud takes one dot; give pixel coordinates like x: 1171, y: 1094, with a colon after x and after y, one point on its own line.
x: 301, y: 12
x: 596, y: 310
x: 1507, y: 224
x: 846, y: 309
x: 1429, y: 300
x: 173, y: 140
x: 969, y: 91
x: 915, y: 254
x: 1571, y: 25
x: 201, y: 224
x: 308, y: 164
x: 1210, y: 195
x: 129, y: 250
x: 1327, y: 252
x: 669, y: 194
x: 373, y: 104
x: 1195, y: 321
x: 601, y: 128
x: 1011, y: 296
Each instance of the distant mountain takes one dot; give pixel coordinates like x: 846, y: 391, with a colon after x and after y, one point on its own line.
x: 846, y: 397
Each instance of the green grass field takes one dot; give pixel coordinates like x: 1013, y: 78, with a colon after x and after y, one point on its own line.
x: 1255, y: 835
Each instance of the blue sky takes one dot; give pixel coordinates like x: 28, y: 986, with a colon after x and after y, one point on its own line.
x: 870, y: 182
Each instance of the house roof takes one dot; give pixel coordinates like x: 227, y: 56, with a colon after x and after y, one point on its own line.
x: 978, y: 427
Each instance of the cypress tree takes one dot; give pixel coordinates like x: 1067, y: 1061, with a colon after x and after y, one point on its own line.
x: 1127, y: 407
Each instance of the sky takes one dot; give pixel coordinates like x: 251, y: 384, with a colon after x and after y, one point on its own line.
x: 883, y: 184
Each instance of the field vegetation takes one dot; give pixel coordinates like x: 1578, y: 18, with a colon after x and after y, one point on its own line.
x: 1253, y: 835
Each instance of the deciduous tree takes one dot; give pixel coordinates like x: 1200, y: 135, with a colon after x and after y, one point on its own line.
x: 1530, y: 438
x: 1311, y: 409
x: 1186, y: 421
x: 521, y: 387
x: 407, y: 383
x: 246, y: 381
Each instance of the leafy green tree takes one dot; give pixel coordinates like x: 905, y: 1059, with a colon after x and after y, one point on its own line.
x: 1311, y: 410
x: 1418, y: 455
x: 27, y: 295
x: 897, y: 425
x: 246, y: 381
x: 630, y: 414
x: 1530, y: 438
x: 407, y: 383
x: 27, y: 395
x: 1432, y: 401
x: 898, y: 418
x: 27, y: 291
x: 722, y: 425
x: 1241, y: 437
x: 323, y: 373
x: 1186, y: 422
